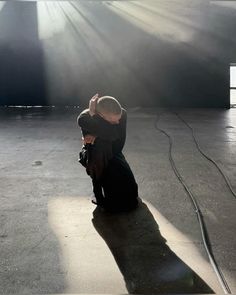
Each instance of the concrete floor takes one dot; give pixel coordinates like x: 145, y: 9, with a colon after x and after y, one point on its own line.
x: 54, y: 240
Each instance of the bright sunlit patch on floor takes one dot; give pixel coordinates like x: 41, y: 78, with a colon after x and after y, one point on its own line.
x: 50, y: 19
x: 88, y: 262
x: 184, y: 248
x: 87, y: 259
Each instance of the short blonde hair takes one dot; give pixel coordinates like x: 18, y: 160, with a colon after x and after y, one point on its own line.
x: 108, y: 104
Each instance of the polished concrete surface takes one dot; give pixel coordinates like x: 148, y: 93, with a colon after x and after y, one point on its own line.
x: 54, y: 240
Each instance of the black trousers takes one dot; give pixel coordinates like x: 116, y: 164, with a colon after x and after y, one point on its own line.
x: 112, y: 178
x: 97, y: 190
x: 99, y: 155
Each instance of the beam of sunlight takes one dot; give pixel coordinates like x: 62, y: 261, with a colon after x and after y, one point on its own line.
x: 86, y: 48
x: 87, y: 260
x: 172, y: 25
x: 84, y: 20
x: 96, y: 41
x: 174, y: 22
x: 2, y: 3
x: 226, y: 4
x: 50, y: 21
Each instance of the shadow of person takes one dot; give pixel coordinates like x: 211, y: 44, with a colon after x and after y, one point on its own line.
x: 147, y: 264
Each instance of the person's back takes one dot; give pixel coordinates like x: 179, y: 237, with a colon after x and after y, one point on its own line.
x: 103, y: 127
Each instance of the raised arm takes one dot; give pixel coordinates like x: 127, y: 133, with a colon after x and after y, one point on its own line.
x: 97, y: 126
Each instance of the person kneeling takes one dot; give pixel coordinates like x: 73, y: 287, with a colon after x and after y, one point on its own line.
x: 103, y: 127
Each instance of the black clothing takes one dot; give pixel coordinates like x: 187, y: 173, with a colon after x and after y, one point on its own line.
x: 107, y: 165
x: 96, y: 125
x: 119, y: 185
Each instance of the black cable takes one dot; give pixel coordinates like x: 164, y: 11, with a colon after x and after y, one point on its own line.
x: 206, y: 156
x: 203, y: 229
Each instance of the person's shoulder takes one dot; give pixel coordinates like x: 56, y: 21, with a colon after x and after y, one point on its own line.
x: 83, y: 113
x: 82, y: 116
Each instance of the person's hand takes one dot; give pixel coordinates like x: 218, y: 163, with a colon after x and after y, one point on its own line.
x: 89, y: 138
x: 92, y: 104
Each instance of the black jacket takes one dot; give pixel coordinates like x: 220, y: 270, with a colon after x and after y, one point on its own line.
x: 114, y: 134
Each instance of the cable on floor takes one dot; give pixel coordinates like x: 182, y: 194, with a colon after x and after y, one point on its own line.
x: 202, y: 225
x: 206, y: 156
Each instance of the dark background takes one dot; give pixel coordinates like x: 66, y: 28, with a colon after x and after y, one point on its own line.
x: 145, y: 53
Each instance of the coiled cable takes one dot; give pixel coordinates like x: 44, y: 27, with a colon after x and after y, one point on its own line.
x: 203, y: 229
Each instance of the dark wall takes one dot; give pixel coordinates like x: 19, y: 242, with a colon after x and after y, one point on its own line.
x: 145, y: 53
x: 21, y: 56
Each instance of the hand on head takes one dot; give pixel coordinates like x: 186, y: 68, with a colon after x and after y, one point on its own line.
x: 108, y: 108
x: 92, y: 104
